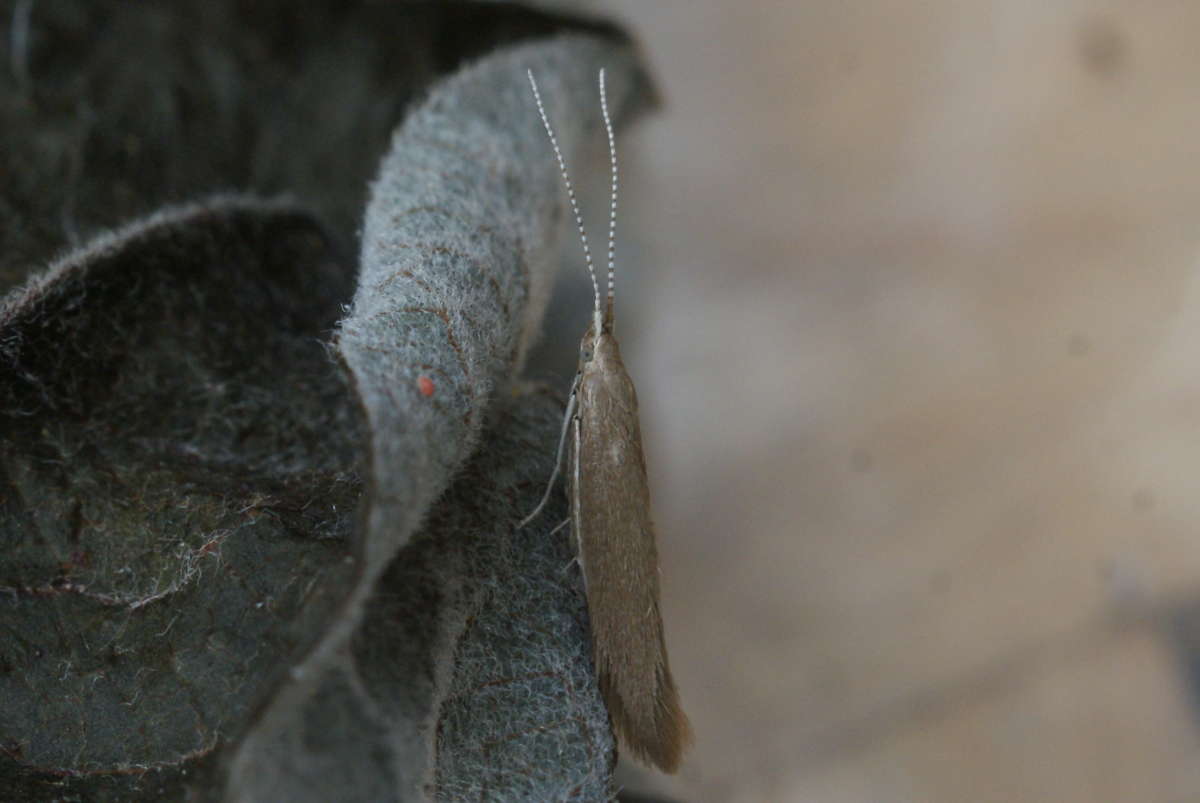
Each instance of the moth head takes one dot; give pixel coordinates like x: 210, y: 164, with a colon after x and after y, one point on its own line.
x: 588, y: 346
x: 598, y: 352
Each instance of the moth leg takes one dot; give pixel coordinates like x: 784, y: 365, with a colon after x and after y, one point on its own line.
x: 562, y: 443
x: 576, y: 514
x: 575, y: 559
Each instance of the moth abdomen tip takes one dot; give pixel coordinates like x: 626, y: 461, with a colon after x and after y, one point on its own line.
x: 654, y: 729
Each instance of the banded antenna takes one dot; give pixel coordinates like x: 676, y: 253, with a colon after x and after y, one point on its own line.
x: 612, y: 207
x: 598, y: 318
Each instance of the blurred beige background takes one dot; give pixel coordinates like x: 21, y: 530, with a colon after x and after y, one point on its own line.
x: 910, y: 292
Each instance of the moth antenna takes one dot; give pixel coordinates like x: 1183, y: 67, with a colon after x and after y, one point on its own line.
x: 562, y: 168
x: 612, y: 206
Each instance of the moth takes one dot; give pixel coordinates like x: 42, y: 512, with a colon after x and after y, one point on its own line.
x: 610, y: 517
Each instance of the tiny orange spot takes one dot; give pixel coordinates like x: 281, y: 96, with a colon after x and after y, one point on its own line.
x: 425, y: 385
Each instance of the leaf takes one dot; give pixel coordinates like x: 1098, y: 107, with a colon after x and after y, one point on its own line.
x: 173, y: 526
x: 456, y: 266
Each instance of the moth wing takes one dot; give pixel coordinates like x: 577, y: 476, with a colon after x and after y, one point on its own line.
x: 611, y: 516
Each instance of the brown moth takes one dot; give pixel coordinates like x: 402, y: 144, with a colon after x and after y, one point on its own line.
x: 610, y: 519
